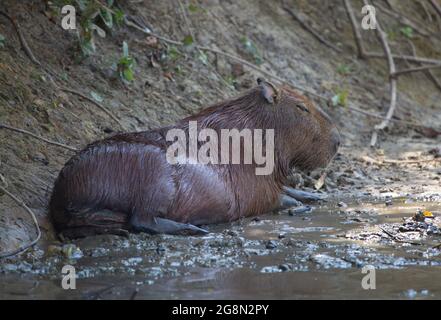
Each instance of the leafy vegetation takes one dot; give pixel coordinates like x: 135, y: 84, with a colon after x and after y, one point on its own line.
x: 340, y: 98
x: 344, y: 69
x: 407, y: 32
x: 251, y: 49
x: 2, y: 40
x: 95, y: 18
x: 125, y: 65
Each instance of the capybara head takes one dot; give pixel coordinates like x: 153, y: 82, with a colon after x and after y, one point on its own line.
x: 309, y: 135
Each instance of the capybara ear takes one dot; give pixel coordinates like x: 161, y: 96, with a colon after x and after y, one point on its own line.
x: 269, y: 91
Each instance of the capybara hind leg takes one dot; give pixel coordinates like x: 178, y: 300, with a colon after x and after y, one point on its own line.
x: 107, y: 217
x: 301, y: 195
x: 96, y: 222
x: 159, y: 225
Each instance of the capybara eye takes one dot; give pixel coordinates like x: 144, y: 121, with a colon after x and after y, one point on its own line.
x: 302, y: 107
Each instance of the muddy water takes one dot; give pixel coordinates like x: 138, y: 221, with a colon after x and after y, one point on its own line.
x: 313, y: 255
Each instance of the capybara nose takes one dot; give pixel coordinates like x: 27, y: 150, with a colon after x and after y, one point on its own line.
x: 335, y: 139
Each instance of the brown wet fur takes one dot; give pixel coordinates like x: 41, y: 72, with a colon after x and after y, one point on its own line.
x: 124, y: 179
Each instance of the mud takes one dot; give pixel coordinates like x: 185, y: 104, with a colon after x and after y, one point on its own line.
x: 312, y: 255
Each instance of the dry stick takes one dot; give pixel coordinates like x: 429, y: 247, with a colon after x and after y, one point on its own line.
x: 22, y: 39
x: 357, y: 35
x: 434, y: 79
x: 436, y: 6
x: 147, y: 31
x: 429, y: 72
x: 426, y: 11
x: 309, y: 29
x: 37, y: 227
x: 410, y: 70
x: 403, y: 57
x: 374, y: 115
x: 393, y: 82
x: 110, y: 114
x: 398, y: 239
x: 410, y: 161
x: 38, y: 137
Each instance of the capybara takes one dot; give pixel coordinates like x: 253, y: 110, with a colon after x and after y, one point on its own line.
x: 126, y: 182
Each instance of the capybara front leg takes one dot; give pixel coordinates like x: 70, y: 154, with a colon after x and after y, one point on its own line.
x: 302, y: 195
x: 288, y: 202
x: 156, y: 225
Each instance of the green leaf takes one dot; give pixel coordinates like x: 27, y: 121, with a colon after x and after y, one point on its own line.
x: 341, y: 98
x: 188, y: 40
x: 118, y: 17
x: 343, y: 69
x: 173, y: 53
x: 128, y: 74
x: 126, y: 61
x: 407, y: 32
x: 193, y: 8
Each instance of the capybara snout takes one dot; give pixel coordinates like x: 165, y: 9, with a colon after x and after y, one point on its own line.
x: 126, y: 182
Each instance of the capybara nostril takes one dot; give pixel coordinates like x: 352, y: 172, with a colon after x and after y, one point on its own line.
x: 335, y: 140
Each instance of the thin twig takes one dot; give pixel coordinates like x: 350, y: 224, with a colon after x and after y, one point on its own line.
x: 357, y: 35
x: 110, y: 114
x: 436, y: 6
x: 22, y: 39
x: 403, y: 57
x: 374, y: 115
x: 410, y: 161
x: 428, y: 72
x: 426, y: 10
x: 310, y: 29
x: 394, y: 237
x: 434, y: 79
x: 149, y: 32
x: 416, y: 69
x: 37, y: 227
x: 38, y: 137
x: 392, y: 82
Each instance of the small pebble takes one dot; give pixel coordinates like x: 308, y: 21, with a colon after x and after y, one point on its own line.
x: 341, y: 204
x: 271, y: 244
